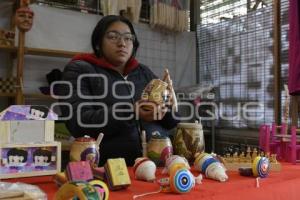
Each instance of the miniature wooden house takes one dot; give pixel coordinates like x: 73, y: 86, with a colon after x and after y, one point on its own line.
x: 26, y: 124
x: 27, y: 146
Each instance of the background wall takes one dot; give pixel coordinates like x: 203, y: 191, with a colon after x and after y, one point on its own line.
x: 69, y: 30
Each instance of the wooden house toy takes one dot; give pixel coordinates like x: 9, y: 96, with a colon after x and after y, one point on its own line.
x: 27, y: 146
x: 26, y: 124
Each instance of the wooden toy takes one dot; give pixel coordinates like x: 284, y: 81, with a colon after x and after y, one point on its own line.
x: 26, y: 124
x: 260, y: 168
x: 24, y: 18
x: 7, y: 38
x: 101, y: 188
x: 22, y: 160
x: 79, y: 171
x: 168, y: 80
x: 189, y: 140
x: 173, y: 159
x: 156, y: 91
x: 159, y: 148
x: 210, y: 166
x: 144, y: 169
x: 79, y: 189
x: 27, y: 146
x: 234, y: 162
x: 86, y: 148
x: 180, y: 181
x: 117, y: 174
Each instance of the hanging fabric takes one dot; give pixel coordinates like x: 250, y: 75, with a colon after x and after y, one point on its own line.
x: 169, y: 14
x: 129, y: 8
x: 294, y: 47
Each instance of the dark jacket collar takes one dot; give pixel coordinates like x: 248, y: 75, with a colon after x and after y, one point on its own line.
x: 103, y: 63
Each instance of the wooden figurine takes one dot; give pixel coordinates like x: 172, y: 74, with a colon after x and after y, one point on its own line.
x: 86, y: 148
x: 24, y: 19
x: 7, y: 38
x: 27, y: 124
x: 189, y: 140
x: 242, y: 162
x: 159, y: 148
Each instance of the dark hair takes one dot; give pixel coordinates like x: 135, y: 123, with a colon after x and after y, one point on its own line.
x: 18, y: 152
x: 44, y: 153
x: 43, y: 109
x: 100, y: 30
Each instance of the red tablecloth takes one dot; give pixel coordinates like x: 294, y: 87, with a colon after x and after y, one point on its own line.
x: 278, y: 185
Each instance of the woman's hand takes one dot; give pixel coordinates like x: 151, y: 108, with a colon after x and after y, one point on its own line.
x: 149, y: 111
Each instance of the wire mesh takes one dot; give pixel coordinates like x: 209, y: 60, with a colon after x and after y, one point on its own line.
x: 235, y: 40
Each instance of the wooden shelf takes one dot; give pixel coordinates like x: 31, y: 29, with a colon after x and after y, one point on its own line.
x: 42, y: 52
x: 38, y: 96
x: 7, y: 94
x: 9, y: 49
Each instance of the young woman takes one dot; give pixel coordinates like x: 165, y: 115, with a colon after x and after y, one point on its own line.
x: 105, y: 90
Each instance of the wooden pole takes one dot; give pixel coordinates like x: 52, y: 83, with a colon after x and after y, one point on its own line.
x: 20, y: 64
x: 277, y: 62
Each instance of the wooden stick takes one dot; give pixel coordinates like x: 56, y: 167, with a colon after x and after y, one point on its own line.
x: 167, y: 79
x: 144, y: 143
x: 99, y: 139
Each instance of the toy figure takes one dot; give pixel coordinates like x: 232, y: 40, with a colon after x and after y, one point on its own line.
x: 37, y: 112
x: 17, y: 158
x: 42, y: 158
x: 24, y: 19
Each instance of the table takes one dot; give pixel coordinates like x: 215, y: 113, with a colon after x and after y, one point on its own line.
x: 278, y: 185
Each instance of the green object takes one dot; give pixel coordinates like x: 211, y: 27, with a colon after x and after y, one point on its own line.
x: 61, y: 131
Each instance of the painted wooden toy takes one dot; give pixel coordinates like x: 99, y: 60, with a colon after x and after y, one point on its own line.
x: 159, y: 148
x: 27, y: 146
x: 7, y: 37
x: 80, y: 189
x: 173, y: 159
x: 188, y: 140
x: 156, y: 91
x: 211, y: 167
x: 86, y: 148
x: 24, y: 19
x: 261, y: 166
x: 116, y: 173
x: 180, y: 181
x: 144, y: 169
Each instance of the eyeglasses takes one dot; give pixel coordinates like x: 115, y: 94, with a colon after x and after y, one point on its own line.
x: 115, y: 37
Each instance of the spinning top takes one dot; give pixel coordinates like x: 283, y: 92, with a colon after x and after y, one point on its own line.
x: 173, y: 159
x: 210, y: 166
x: 144, y: 169
x: 261, y: 166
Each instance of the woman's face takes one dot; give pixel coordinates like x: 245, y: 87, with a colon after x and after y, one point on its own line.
x: 117, y: 44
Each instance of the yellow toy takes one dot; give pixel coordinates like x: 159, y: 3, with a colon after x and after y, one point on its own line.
x: 80, y: 189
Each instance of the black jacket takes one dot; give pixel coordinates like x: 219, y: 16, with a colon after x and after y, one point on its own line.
x: 121, y: 137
